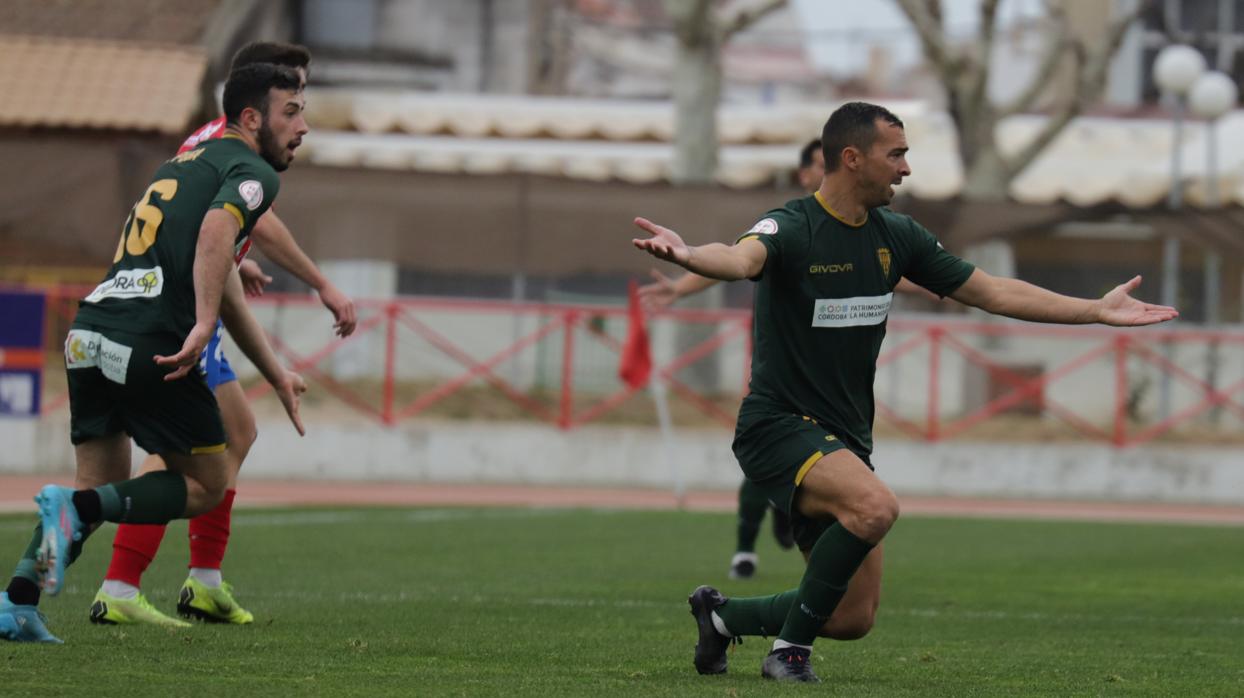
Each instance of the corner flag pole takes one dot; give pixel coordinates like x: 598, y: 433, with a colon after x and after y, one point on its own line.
x: 660, y: 397
x: 635, y: 369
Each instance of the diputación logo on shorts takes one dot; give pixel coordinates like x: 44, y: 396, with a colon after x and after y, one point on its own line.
x: 87, y: 349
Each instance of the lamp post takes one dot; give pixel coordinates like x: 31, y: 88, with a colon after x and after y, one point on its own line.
x: 1175, y: 70
x: 1213, y: 95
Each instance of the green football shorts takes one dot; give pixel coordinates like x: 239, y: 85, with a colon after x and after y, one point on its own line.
x: 776, y: 450
x: 116, y: 386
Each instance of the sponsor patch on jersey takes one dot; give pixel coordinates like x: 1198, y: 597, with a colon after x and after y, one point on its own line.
x: 252, y: 193
x: 764, y: 226
x: 851, y: 312
x: 130, y: 283
x: 85, y: 349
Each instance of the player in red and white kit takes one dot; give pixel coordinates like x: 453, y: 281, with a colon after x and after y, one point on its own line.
x: 205, y: 595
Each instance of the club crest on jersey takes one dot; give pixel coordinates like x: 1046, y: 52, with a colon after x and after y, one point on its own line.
x: 765, y: 226
x: 252, y: 194
x: 883, y: 256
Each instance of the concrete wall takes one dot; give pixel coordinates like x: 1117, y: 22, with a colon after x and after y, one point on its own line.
x: 513, y: 453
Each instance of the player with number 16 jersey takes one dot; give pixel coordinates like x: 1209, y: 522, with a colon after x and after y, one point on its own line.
x: 150, y: 287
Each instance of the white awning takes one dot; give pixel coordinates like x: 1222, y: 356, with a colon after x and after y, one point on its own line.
x: 641, y: 163
x: 1094, y: 160
x: 562, y: 118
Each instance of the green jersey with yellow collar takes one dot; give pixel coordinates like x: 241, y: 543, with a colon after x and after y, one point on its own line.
x: 150, y: 286
x: 821, y: 305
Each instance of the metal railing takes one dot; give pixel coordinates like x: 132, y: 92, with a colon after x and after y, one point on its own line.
x: 412, y: 354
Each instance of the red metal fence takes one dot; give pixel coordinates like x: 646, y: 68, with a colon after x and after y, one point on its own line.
x: 1089, y: 378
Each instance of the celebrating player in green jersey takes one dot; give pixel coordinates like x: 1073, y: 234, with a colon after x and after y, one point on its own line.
x: 753, y: 503
x: 130, y: 351
x: 826, y: 267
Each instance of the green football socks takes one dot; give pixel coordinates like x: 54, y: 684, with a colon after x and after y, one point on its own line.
x: 757, y: 615
x: 154, y: 498
x: 838, y: 553
x: 24, y: 586
x: 752, y: 507
x: 26, y: 566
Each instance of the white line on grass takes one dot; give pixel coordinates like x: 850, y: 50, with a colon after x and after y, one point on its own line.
x: 314, y: 518
x: 367, y: 597
x: 417, y: 516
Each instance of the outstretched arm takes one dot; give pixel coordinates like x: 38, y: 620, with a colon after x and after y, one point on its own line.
x: 664, y: 291
x: 253, y: 278
x: 278, y: 244
x: 250, y: 338
x: 1024, y: 301
x: 714, y: 260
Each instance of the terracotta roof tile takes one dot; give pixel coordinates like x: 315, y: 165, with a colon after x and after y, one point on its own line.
x: 165, y: 21
x: 82, y: 83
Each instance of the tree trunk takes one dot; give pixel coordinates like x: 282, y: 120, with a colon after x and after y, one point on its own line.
x: 548, y: 48
x: 986, y: 177
x: 697, y: 90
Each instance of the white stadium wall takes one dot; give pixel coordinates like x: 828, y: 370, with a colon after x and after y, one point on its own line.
x: 513, y: 453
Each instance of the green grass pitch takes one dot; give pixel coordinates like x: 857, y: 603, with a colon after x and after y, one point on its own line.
x: 533, y: 602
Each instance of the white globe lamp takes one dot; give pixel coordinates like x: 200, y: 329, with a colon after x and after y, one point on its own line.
x: 1212, y: 95
x: 1177, y: 68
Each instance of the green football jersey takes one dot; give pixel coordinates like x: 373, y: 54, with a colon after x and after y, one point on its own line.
x: 821, y: 305
x: 150, y: 287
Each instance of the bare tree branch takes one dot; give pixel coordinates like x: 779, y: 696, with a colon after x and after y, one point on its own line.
x: 928, y: 25
x: 989, y: 14
x: 1055, y: 50
x: 976, y: 97
x: 747, y: 17
x: 1091, y: 66
x: 692, y: 20
x: 1053, y: 126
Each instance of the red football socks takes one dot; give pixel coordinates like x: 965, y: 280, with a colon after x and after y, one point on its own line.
x: 209, y: 534
x: 133, y: 548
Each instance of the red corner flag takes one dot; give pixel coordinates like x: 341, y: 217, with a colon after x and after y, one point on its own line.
x: 636, y: 364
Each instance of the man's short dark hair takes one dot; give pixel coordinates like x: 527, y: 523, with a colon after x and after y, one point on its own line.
x: 290, y: 55
x: 248, y: 86
x: 805, y: 155
x: 852, y: 124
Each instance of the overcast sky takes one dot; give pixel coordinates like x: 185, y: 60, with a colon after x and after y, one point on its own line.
x: 840, y: 32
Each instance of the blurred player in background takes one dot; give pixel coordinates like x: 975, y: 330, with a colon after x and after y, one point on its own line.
x: 752, y: 500
x: 205, y: 595
x: 826, y: 267
x: 133, y: 352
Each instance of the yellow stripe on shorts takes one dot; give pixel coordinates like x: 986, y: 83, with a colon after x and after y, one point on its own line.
x: 201, y: 450
x: 807, y: 465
